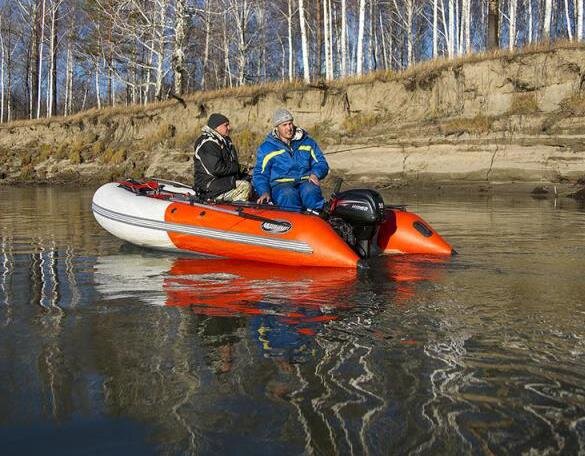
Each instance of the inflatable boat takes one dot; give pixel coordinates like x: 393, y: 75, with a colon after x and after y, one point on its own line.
x: 355, y: 225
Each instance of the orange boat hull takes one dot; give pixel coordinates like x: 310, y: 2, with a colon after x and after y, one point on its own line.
x: 310, y: 241
x: 406, y: 232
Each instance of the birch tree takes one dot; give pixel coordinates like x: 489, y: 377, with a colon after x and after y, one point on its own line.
x: 242, y: 12
x: 69, y: 64
x: 530, y: 21
x: 579, y: 20
x: 546, y: 23
x: 2, y: 64
x: 304, y: 47
x: 451, y: 32
x: 28, y: 16
x: 372, y: 48
x: 435, y: 28
x: 226, y: 54
x: 493, y: 28
x: 261, y: 30
x: 159, y: 44
x: 465, y: 25
x: 327, y: 40
x: 40, y: 61
x: 55, y: 6
x: 360, y: 40
x: 512, y: 6
x: 579, y: 13
x: 383, y: 36
x: 343, y: 70
x: 178, y: 59
x: 318, y: 26
x: 568, y: 21
x: 289, y: 19
x: 207, y: 20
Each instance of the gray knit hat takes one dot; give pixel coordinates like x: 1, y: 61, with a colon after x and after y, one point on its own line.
x: 281, y: 115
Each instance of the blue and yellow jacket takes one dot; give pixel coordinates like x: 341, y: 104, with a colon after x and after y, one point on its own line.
x: 278, y: 163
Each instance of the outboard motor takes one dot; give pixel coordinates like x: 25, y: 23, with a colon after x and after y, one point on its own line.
x: 363, y: 210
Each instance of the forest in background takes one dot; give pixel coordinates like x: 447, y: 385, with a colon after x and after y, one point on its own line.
x: 59, y: 57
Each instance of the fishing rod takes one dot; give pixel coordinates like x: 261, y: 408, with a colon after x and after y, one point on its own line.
x: 240, y: 213
x: 190, y: 198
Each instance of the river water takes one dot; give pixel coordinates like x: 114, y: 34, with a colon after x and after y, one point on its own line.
x: 110, y: 349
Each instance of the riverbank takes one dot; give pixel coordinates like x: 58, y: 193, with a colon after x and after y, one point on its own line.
x: 492, y: 121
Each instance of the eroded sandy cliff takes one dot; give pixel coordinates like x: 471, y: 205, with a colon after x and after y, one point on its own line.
x: 514, y: 118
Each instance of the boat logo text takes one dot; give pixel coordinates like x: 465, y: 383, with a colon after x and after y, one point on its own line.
x: 276, y: 228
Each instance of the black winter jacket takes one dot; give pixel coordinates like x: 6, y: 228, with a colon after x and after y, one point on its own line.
x: 216, y: 164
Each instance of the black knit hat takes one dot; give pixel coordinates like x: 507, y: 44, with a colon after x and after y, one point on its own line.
x: 216, y: 119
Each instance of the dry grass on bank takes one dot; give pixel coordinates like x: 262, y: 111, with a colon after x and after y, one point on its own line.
x: 575, y: 105
x: 444, y: 63
x: 477, y: 125
x: 420, y: 72
x: 523, y: 104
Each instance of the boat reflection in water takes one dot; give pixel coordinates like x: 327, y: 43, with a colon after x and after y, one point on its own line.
x: 283, y: 306
x: 406, y: 273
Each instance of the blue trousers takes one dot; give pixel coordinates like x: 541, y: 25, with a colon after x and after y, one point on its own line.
x: 304, y: 195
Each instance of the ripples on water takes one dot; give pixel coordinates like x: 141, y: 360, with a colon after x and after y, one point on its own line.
x: 106, y: 348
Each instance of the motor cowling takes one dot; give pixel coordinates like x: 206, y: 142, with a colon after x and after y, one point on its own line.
x: 363, y: 210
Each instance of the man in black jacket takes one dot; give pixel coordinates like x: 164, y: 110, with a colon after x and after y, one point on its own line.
x: 217, y: 170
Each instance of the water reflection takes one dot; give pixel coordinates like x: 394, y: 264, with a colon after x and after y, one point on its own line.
x: 307, y: 336
x: 284, y: 306
x: 6, y: 279
x: 407, y: 273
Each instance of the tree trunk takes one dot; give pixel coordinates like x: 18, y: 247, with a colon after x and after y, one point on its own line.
x: 290, y: 41
x: 568, y: 20
x: 98, y: 97
x: 40, y: 65
x: 493, y: 38
x: 52, y: 86
x: 343, y: 38
x: 464, y: 25
x: 468, y: 27
x: 33, y: 62
x: 68, y: 78
x: 372, y: 56
x: 178, y: 59
x: 529, y: 20
x: 304, y: 47
x: 579, y: 31
x: 2, y: 96
x: 451, y: 46
x: 409, y: 32
x: 207, y: 19
x: 261, y: 44
x: 242, y: 46
x: 547, y: 19
x: 435, y: 29
x: 319, y: 45
x: 110, y: 62
x: 9, y: 82
x: 326, y: 38
x: 360, y: 41
x: 226, y: 56
x: 512, y: 27
x: 383, y: 39
x: 161, y: 49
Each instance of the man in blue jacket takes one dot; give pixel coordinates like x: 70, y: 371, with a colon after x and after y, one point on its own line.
x: 289, y: 166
